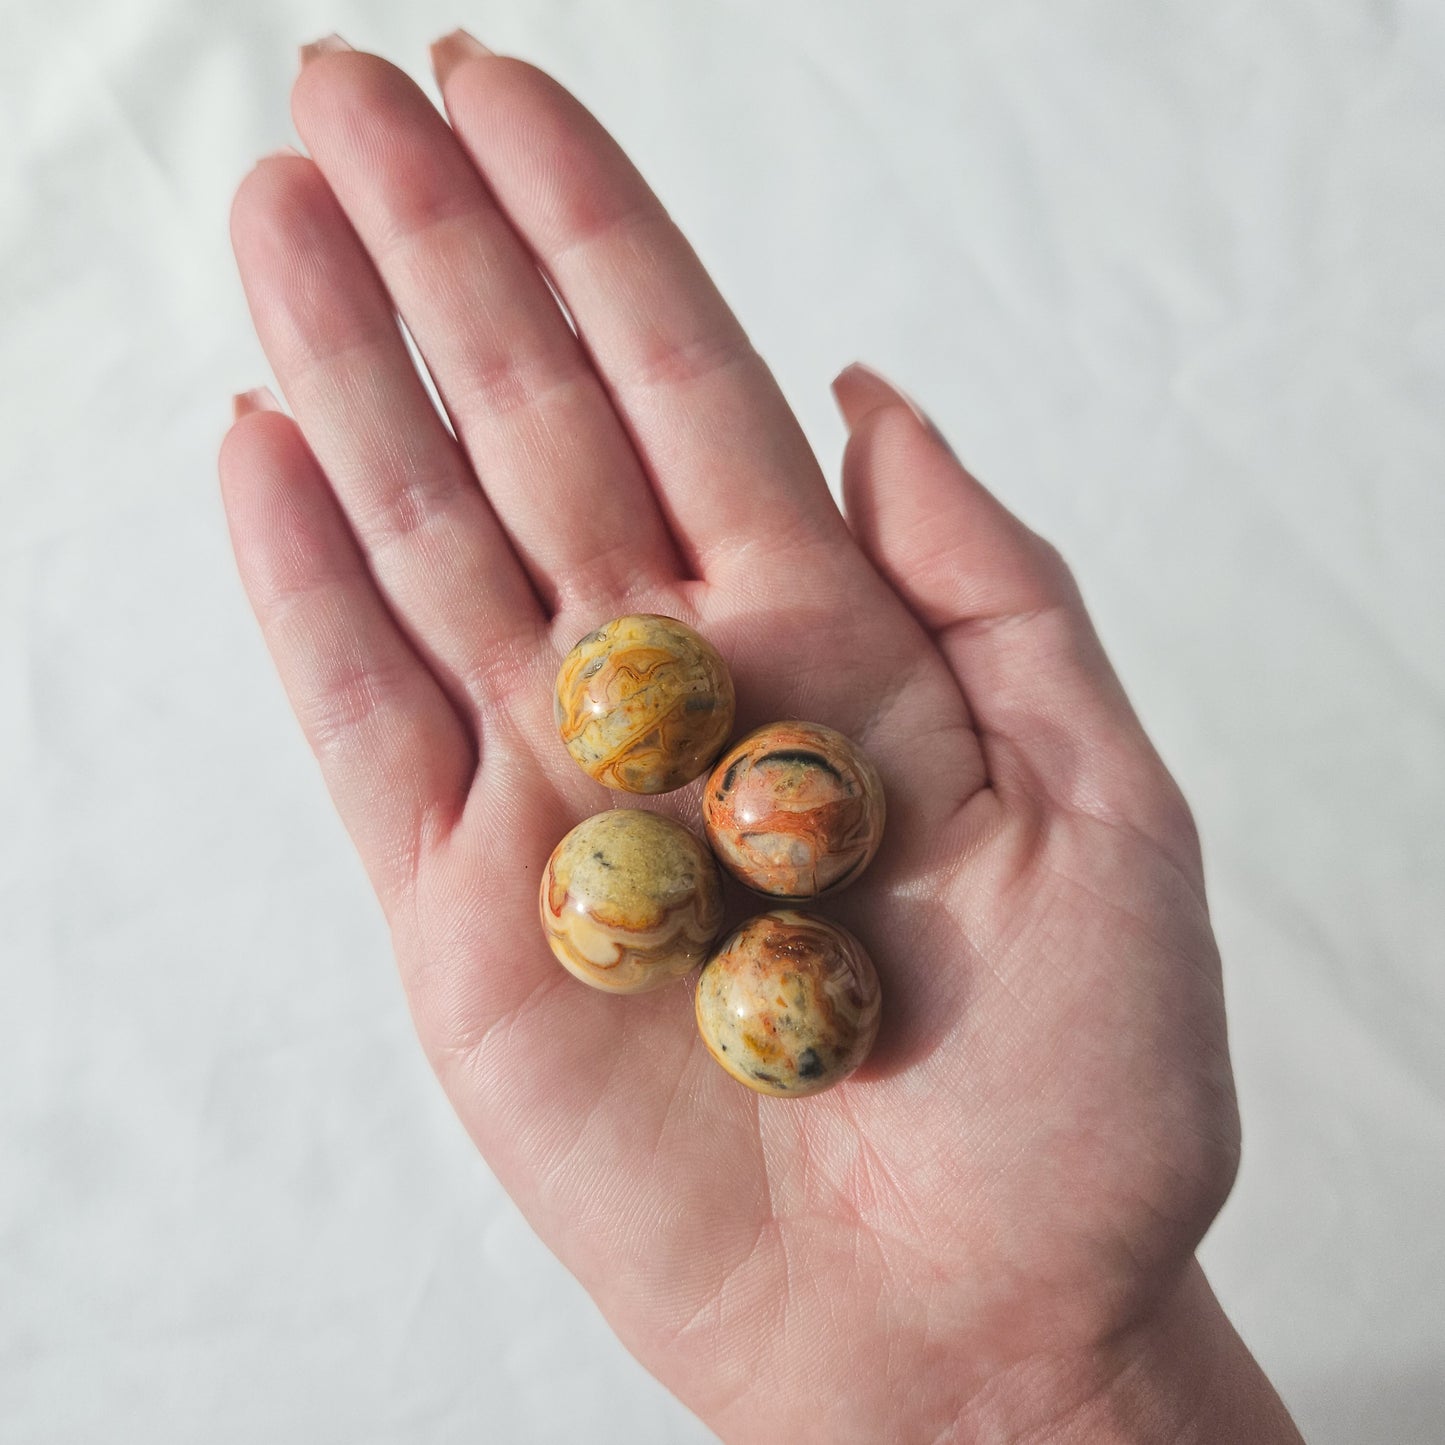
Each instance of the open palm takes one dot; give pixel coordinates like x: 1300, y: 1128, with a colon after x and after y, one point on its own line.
x: 1047, y: 1124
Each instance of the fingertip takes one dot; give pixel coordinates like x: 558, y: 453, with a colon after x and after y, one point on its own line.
x: 859, y: 389
x: 451, y: 50
x: 250, y: 457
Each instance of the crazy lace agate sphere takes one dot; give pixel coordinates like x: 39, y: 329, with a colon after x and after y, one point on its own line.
x: 644, y: 704
x: 789, y: 1004
x: 794, y: 810
x: 630, y: 901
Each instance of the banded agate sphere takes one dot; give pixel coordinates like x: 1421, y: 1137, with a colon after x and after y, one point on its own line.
x: 794, y: 810
x: 630, y: 901
x: 644, y: 704
x: 789, y: 1004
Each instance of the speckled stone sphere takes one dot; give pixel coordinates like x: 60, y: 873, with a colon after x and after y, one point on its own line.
x: 630, y: 901
x: 644, y: 704
x: 794, y: 810
x: 789, y: 1004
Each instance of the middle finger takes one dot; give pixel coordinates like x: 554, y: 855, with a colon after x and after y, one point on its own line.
x: 525, y: 401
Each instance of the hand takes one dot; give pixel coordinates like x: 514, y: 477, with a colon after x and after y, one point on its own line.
x: 991, y: 1226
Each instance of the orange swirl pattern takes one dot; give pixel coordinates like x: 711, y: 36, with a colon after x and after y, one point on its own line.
x: 630, y: 901
x: 794, y: 810
x: 644, y: 704
x: 789, y: 1004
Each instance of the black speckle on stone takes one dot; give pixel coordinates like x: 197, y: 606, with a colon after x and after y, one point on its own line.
x: 729, y: 778
x: 807, y: 758
x: 761, y: 1077
x: 810, y: 1066
x: 603, y: 861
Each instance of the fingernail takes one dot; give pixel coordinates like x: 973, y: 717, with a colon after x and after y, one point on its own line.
x: 259, y: 398
x: 449, y: 52
x: 858, y: 389
x: 327, y: 43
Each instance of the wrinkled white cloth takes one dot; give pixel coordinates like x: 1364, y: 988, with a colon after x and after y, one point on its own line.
x: 1172, y: 282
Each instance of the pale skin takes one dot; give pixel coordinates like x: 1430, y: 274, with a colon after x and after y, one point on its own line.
x: 988, y: 1233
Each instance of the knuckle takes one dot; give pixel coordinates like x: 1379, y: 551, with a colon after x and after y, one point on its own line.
x: 676, y: 361
x: 1193, y: 1158
x: 1054, y: 569
x: 588, y: 217
x: 514, y: 381
x: 352, y: 697
x: 1212, y: 1154
x: 400, y: 509
x: 1169, y: 815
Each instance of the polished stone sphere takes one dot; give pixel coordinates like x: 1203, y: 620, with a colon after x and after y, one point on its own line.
x: 644, y: 704
x: 630, y: 901
x: 789, y: 1004
x: 794, y: 810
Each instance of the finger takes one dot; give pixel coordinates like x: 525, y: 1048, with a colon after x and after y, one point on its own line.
x: 526, y: 403
x: 328, y: 328
x: 717, y: 437
x: 1005, y: 610
x: 394, y: 754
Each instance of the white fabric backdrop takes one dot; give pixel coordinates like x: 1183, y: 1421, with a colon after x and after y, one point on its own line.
x: 1171, y: 282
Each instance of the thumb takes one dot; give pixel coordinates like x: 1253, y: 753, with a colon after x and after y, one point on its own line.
x: 1004, y: 609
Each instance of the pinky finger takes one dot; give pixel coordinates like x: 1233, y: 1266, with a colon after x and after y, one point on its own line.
x: 394, y: 753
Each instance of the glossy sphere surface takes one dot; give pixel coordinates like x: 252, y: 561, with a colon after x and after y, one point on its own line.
x: 789, y: 1004
x: 630, y: 901
x: 794, y: 810
x: 644, y: 703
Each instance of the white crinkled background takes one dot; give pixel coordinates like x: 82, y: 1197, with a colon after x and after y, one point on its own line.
x: 1172, y: 280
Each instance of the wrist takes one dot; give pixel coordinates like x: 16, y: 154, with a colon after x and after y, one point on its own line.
x: 1184, y: 1377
